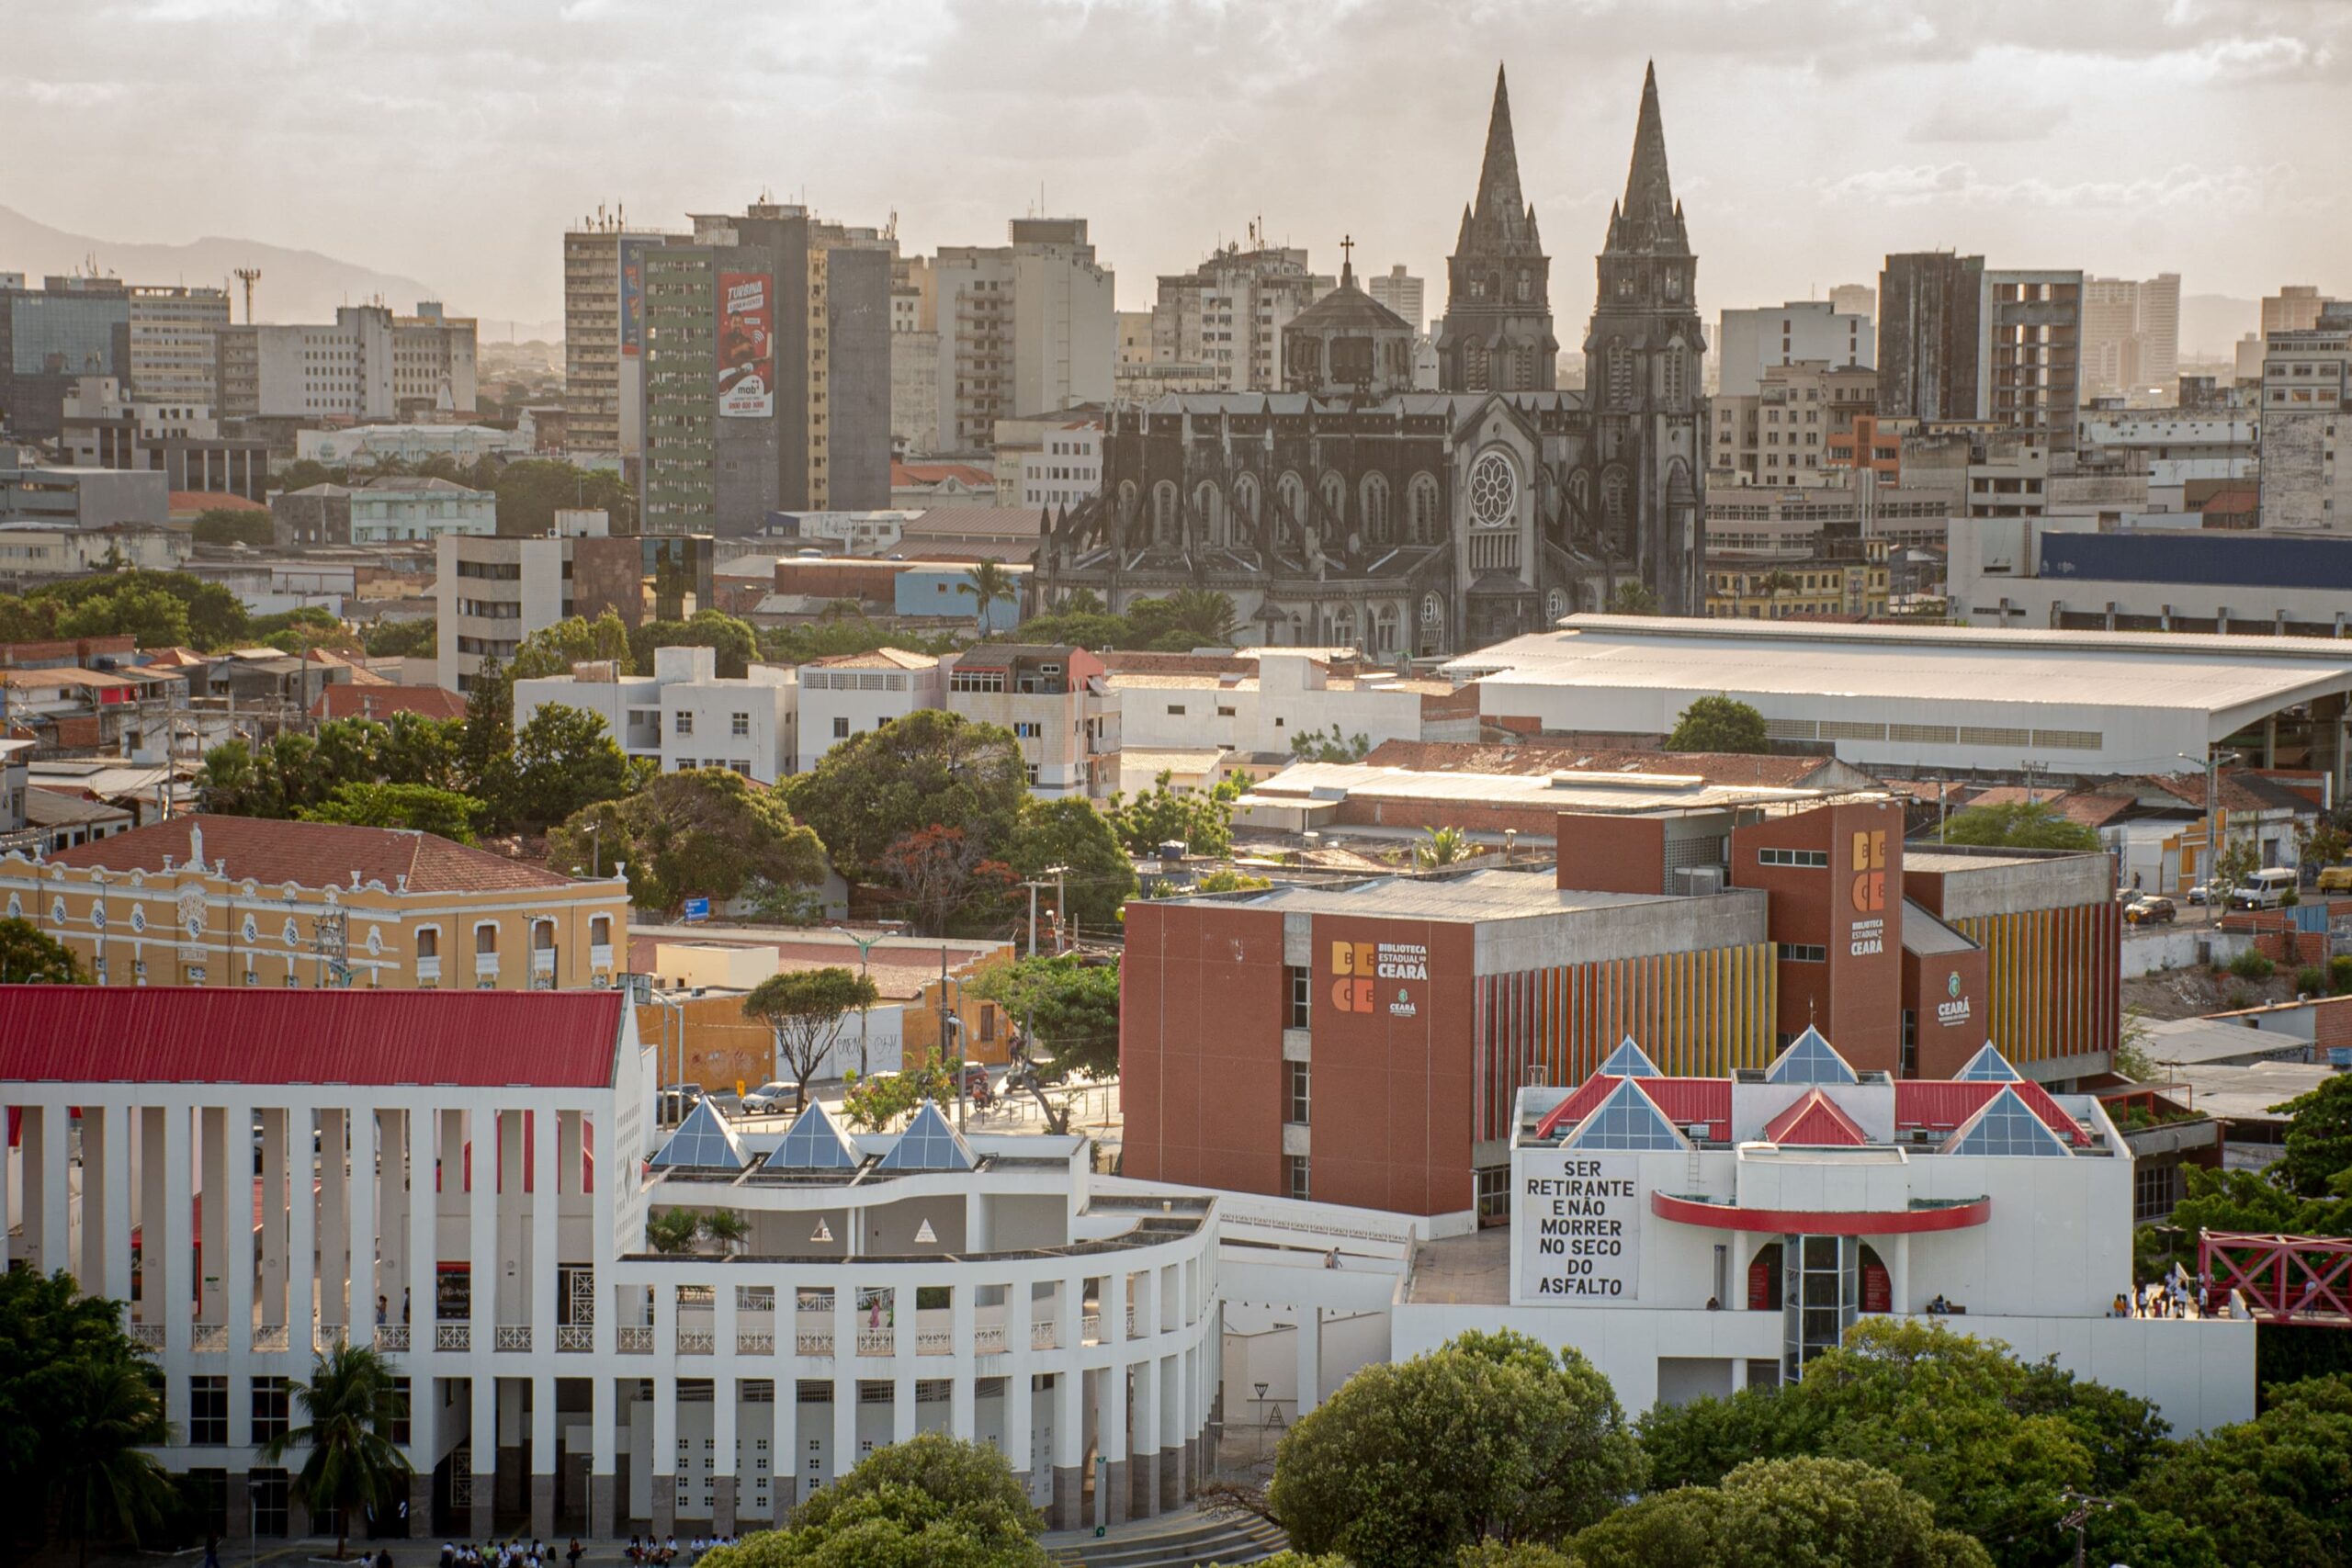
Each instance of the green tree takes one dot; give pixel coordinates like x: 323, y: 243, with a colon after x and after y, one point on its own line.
x: 2018, y: 825
x: 414, y: 749
x: 1186, y: 619
x: 228, y: 525
x: 29, y: 956
x: 150, y: 615
x: 931, y: 1502
x: 304, y: 472
x: 1097, y: 876
x: 1632, y: 598
x: 804, y: 1009
x: 1493, y: 1436
x: 402, y: 639
x: 215, y: 619
x: 348, y: 1406
x: 554, y: 649
x: 988, y: 583
x: 486, y: 745
x: 1224, y: 879
x: 1316, y: 746
x: 1201, y: 821
x: 1719, y: 723
x: 876, y: 1101
x: 2318, y: 1148
x: 2276, y: 1490
x: 1069, y: 1009
x: 1444, y: 846
x: 1079, y: 628
x: 107, y: 1485
x: 947, y: 880
x: 929, y: 768
x: 1772, y: 1513
x: 708, y: 832
x: 531, y: 491
x: 419, y: 807
x: 565, y: 761
x: 735, y: 641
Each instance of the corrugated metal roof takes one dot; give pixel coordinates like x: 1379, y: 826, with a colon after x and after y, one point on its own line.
x: 1686, y: 1100
x: 219, y: 1034
x: 1941, y: 1105
x: 1817, y: 1122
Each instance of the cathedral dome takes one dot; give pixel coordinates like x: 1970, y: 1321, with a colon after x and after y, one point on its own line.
x: 1348, y: 344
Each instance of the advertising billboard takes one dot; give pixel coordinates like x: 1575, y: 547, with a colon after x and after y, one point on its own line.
x: 1578, y: 1227
x: 746, y: 345
x: 632, y: 254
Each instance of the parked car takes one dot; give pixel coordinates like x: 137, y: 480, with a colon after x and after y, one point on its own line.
x: 769, y: 1100
x: 2337, y: 878
x: 675, y: 1101
x: 2151, y: 910
x: 2200, y: 895
x: 2263, y: 890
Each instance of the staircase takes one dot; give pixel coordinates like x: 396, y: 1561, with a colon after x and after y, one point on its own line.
x: 1186, y: 1538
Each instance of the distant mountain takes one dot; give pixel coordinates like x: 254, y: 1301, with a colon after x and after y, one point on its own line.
x: 2211, y: 324
x: 295, y: 285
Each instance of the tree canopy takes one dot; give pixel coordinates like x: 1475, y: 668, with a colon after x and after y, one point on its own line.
x: 708, y: 832
x: 1772, y: 1513
x: 1719, y: 724
x: 531, y: 491
x: 804, y: 1009
x: 1189, y: 618
x: 159, y: 608
x: 1097, y: 876
x: 31, y: 956
x: 931, y: 1502
x: 927, y: 768
x: 565, y: 761
x: 233, y: 525
x: 1200, y: 820
x: 1494, y: 1436
x: 2018, y: 825
x: 554, y: 648
x: 420, y: 808
x: 1069, y: 1006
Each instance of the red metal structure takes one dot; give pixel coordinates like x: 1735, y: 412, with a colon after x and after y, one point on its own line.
x: 2281, y: 1278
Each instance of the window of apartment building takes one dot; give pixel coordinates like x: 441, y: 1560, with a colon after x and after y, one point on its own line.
x: 1294, y: 1183
x: 738, y: 723
x: 1301, y: 993
x: 1028, y: 729
x: 840, y: 729
x: 271, y: 1408
x: 486, y: 937
x: 428, y: 941
x: 684, y: 724
x: 1295, y: 1098
x: 208, y: 1412
x: 600, y: 931
x: 1224, y: 713
x: 1815, y: 859
x: 977, y: 681
x: 1032, y: 772
x: 1176, y: 710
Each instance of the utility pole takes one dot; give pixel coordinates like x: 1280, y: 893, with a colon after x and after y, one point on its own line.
x: 865, y: 1015
x: 1057, y: 872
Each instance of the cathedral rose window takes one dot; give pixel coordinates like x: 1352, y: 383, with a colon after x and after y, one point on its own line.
x: 1494, y: 491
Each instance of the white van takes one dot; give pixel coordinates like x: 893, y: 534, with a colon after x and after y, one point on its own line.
x: 2264, y: 889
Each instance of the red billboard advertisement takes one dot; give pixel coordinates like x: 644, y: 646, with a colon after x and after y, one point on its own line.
x: 746, y: 345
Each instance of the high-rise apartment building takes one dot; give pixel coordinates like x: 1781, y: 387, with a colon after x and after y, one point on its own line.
x: 604, y: 326
x: 1226, y: 315
x: 1957, y: 341
x: 2294, y: 308
x: 1401, y: 292
x: 49, y: 338
x: 1854, y: 299
x: 765, y: 370
x: 1025, y: 328
x: 1801, y: 331
x: 2130, y: 335
x: 914, y: 357
x: 2307, y: 421
x: 174, y: 358
x: 368, y: 363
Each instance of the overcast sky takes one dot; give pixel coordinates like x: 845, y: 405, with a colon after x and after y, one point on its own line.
x: 452, y: 140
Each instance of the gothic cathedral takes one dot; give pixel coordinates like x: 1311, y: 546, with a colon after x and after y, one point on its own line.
x: 1350, y: 508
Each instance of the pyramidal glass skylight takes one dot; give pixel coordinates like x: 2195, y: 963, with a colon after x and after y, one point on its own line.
x: 702, y: 1142
x: 815, y: 1143
x: 1988, y: 1065
x: 2006, y: 1125
x: 1809, y: 1059
x: 1628, y: 1119
x: 928, y: 1144
x: 1630, y: 1061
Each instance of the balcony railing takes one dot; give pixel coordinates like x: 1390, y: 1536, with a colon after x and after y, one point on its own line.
x: 600, y: 955
x: 208, y: 1337
x: 875, y: 1341
x: 694, y: 1342
x: 485, y: 966
x: 513, y: 1336
x: 989, y: 1339
x: 1090, y: 1329
x: 634, y: 1339
x: 328, y: 1338
x: 453, y: 1336
x: 1042, y: 1336
x: 543, y: 961
x: 934, y: 1343
x: 429, y: 968
x: 392, y: 1336
x: 813, y: 1343
x: 575, y: 1337
x: 148, y: 1334
x: 752, y: 1344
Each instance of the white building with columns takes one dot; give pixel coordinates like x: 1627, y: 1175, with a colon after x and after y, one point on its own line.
x: 563, y: 1377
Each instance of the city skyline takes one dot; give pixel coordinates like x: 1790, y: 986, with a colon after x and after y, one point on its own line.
x: 2097, y: 137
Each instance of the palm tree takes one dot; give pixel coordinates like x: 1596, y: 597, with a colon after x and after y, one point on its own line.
x: 1206, y: 615
x: 726, y: 1227
x: 1446, y: 846
x: 106, y: 1484
x: 349, y: 1405
x: 987, y: 582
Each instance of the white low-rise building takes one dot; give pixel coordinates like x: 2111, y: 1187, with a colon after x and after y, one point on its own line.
x: 684, y: 714
x: 463, y: 1180
x: 851, y: 694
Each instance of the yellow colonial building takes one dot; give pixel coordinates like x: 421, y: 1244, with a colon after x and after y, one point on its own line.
x: 206, y: 901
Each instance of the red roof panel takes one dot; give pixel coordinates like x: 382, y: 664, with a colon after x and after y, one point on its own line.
x: 378, y: 1038
x: 1940, y: 1105
x: 1687, y: 1101
x: 1815, y: 1121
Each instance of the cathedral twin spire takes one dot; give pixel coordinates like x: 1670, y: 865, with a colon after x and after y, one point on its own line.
x: 1648, y: 219
x: 1500, y: 220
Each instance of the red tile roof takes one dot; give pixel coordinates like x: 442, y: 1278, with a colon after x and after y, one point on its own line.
x: 1816, y: 1121
x: 213, y: 500
x: 382, y: 701
x: 372, y: 1038
x: 1940, y: 1105
x: 315, y: 854
x: 934, y: 473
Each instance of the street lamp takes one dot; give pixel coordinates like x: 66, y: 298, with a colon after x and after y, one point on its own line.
x: 2209, y: 855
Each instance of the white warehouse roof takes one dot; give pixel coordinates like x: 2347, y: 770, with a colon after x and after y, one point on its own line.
x: 1894, y: 694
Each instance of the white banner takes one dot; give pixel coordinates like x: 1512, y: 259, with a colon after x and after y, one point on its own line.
x: 1578, y: 1224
